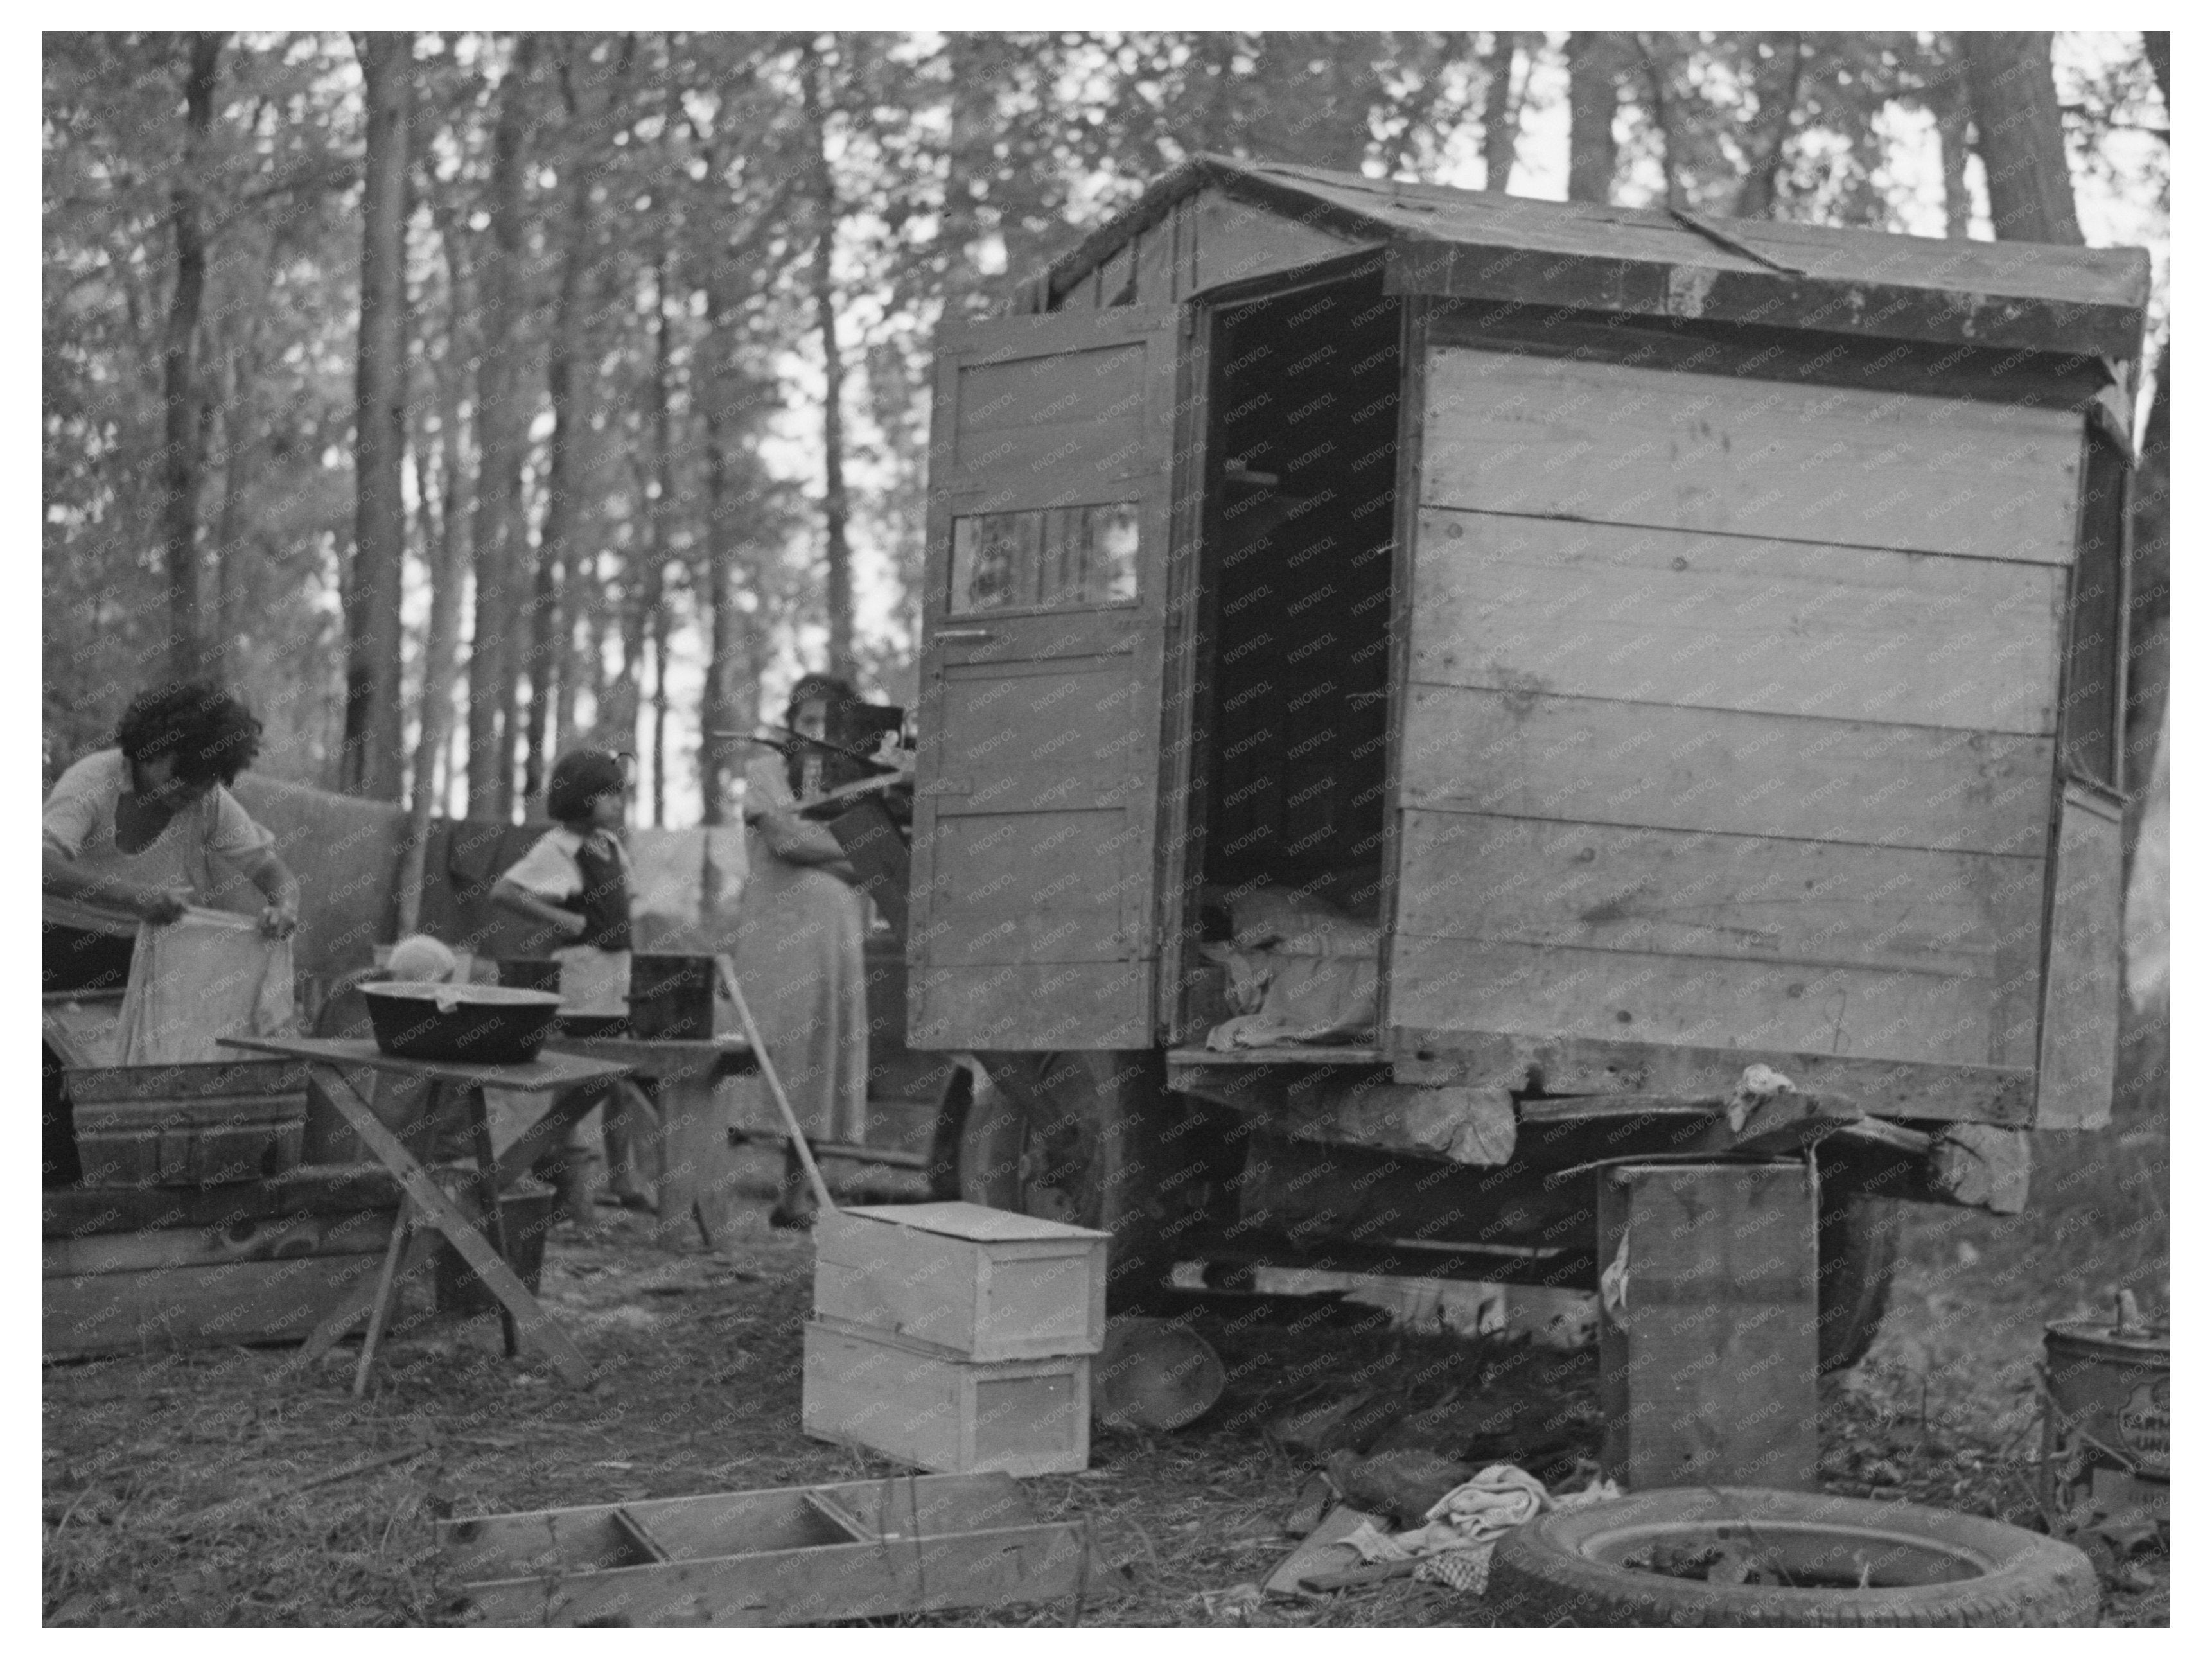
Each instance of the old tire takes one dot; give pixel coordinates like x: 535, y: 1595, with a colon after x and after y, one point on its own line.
x: 1091, y: 1140
x: 1926, y: 1566
x: 1858, y: 1258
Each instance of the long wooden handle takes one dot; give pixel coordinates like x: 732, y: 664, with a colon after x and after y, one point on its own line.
x: 728, y: 973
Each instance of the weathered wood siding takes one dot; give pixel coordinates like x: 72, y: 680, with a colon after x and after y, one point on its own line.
x: 2082, y: 990
x: 1203, y: 240
x: 1731, y: 711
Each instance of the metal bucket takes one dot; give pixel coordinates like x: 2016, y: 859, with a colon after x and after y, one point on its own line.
x: 2107, y: 1418
x: 525, y: 1213
x: 1154, y: 1374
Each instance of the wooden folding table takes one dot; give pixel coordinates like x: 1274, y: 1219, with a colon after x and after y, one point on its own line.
x: 575, y: 1083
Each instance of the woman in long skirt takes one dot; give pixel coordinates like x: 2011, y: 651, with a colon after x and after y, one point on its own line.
x: 797, y: 945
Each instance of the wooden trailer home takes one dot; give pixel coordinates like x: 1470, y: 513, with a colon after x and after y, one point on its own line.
x: 1624, y: 647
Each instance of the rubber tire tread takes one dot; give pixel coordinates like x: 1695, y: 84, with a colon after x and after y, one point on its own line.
x: 1539, y: 1576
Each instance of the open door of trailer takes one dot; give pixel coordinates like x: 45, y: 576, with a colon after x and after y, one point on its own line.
x: 1044, y: 613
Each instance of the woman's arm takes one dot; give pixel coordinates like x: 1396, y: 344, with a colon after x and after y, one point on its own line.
x: 510, y: 894
x: 771, y: 808
x: 278, y: 886
x: 797, y: 839
x: 65, y: 878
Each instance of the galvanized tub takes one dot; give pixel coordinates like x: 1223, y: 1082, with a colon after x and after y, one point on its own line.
x: 198, y: 1125
x: 2106, y: 1419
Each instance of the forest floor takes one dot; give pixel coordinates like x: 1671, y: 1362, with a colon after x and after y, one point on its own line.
x: 176, y: 1484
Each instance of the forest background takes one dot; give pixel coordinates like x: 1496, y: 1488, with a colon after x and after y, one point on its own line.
x: 459, y: 396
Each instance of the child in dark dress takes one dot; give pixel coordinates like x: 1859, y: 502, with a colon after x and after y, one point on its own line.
x: 575, y: 880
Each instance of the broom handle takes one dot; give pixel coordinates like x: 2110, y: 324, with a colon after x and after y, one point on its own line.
x: 729, y: 974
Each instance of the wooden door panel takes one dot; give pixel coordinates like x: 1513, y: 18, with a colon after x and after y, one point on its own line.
x: 1037, y: 782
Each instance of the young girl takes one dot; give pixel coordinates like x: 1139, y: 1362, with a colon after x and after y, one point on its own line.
x: 575, y: 881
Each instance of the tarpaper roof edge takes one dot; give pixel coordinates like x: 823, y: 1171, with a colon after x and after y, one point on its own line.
x: 1416, y: 220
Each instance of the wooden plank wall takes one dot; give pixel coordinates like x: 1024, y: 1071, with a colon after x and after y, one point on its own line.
x: 1732, y: 712
x: 1205, y: 239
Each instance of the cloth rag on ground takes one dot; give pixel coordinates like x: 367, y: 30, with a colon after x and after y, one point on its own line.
x: 209, y: 974
x: 1463, y: 1527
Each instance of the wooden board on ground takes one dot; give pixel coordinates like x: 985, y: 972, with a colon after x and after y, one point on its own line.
x: 168, y: 1308
x: 270, y: 1239
x: 790, y: 1556
x: 328, y: 1189
x: 1323, y: 1550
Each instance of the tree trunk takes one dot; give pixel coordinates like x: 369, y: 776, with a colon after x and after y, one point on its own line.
x: 230, y: 563
x: 182, y: 428
x: 2017, y: 127
x: 838, y: 585
x: 1592, y: 100
x: 1777, y: 99
x: 441, y: 649
x: 550, y: 618
x: 1663, y: 122
x: 2158, y: 46
x: 1501, y: 114
x: 371, y: 762
x: 731, y: 666
x: 664, y: 484
x: 499, y: 459
x: 660, y: 717
x: 1952, y: 134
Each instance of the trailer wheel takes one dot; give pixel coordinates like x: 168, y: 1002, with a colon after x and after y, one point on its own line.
x: 1090, y: 1139
x: 1858, y: 1258
x: 1742, y: 1556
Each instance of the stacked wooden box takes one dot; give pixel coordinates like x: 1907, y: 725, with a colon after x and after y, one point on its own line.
x: 955, y: 1338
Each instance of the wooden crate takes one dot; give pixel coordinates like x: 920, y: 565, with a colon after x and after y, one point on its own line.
x: 796, y: 1555
x: 939, y: 1410
x: 1708, y: 1333
x: 200, y: 1125
x: 150, y: 1269
x: 985, y: 1284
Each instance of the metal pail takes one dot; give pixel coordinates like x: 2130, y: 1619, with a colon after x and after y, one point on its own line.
x: 2107, y: 1428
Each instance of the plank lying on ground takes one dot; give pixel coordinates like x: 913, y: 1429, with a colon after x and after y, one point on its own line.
x: 263, y: 1239
x: 782, y: 1556
x: 311, y: 1189
x: 171, y: 1308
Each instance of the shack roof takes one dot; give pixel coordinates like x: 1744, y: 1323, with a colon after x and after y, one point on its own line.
x: 1484, y: 244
